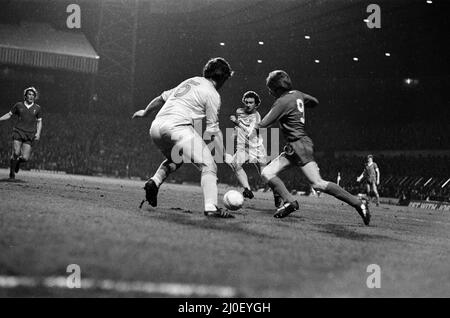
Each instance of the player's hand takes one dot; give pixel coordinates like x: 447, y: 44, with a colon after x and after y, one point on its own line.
x: 228, y: 158
x: 37, y: 137
x: 378, y: 182
x: 139, y: 113
x: 252, y: 132
x: 233, y: 119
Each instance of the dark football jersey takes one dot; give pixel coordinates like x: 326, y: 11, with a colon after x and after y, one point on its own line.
x: 289, y: 111
x: 370, y: 172
x: 27, y: 117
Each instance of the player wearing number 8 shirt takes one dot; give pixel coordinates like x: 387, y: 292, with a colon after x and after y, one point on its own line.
x: 289, y: 111
x: 173, y: 131
x: 26, y: 131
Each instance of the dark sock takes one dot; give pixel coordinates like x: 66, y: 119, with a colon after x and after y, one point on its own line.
x: 339, y: 193
x: 13, y: 163
x: 277, y: 186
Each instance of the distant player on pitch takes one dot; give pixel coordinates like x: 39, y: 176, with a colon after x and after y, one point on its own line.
x: 26, y: 130
x: 289, y: 111
x: 173, y: 131
x: 371, y: 175
x: 249, y: 147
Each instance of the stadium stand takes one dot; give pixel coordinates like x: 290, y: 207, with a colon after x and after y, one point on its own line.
x: 96, y: 144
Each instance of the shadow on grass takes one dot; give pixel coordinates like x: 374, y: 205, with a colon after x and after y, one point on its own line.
x: 8, y: 180
x: 344, y: 232
x: 186, y: 217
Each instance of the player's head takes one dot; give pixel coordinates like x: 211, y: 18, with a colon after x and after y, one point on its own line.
x: 30, y: 94
x: 370, y: 158
x: 218, y: 70
x: 251, y: 101
x: 278, y: 83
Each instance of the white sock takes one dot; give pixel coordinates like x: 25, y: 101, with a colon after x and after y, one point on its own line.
x: 160, y: 175
x: 242, y: 178
x: 210, y: 192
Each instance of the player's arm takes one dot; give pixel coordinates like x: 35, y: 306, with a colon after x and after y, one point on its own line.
x: 272, y: 116
x: 358, y: 179
x: 38, y: 129
x: 6, y: 116
x: 377, y: 171
x: 310, y: 101
x: 235, y: 120
x: 155, y: 104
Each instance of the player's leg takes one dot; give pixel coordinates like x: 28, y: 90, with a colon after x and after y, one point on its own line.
x: 270, y: 176
x: 25, y: 154
x: 375, y: 191
x: 311, y: 171
x: 238, y: 160
x: 16, y: 147
x: 161, y: 136
x: 165, y: 169
x: 368, y: 189
x: 277, y: 199
x: 261, y: 162
x: 152, y: 185
x: 196, y: 151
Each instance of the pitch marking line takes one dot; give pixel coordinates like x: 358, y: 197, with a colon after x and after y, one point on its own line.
x: 169, y: 289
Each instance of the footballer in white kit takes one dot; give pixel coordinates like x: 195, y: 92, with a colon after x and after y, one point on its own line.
x: 249, y: 145
x: 173, y: 131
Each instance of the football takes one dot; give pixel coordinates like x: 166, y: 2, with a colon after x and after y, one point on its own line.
x: 233, y: 200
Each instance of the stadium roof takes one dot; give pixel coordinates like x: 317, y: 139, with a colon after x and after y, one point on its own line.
x: 39, y: 45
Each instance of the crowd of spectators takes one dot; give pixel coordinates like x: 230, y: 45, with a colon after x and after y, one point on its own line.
x: 388, y: 136
x: 98, y: 144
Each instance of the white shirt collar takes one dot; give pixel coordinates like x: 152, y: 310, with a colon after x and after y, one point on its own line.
x: 28, y: 106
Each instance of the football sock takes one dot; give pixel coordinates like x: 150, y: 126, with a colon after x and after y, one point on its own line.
x: 13, y: 163
x: 339, y: 193
x: 164, y: 170
x: 242, y: 178
x: 277, y: 185
x: 210, y: 192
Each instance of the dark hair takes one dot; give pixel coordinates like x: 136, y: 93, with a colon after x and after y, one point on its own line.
x: 370, y: 156
x: 252, y: 94
x: 278, y: 82
x: 32, y: 89
x: 217, y: 69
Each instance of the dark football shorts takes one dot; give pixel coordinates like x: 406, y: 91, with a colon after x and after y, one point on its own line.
x: 300, y: 151
x: 23, y: 137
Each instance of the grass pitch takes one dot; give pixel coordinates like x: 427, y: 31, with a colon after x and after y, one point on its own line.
x: 50, y: 221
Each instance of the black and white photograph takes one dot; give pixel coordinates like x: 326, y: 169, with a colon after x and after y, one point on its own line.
x: 224, y: 154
